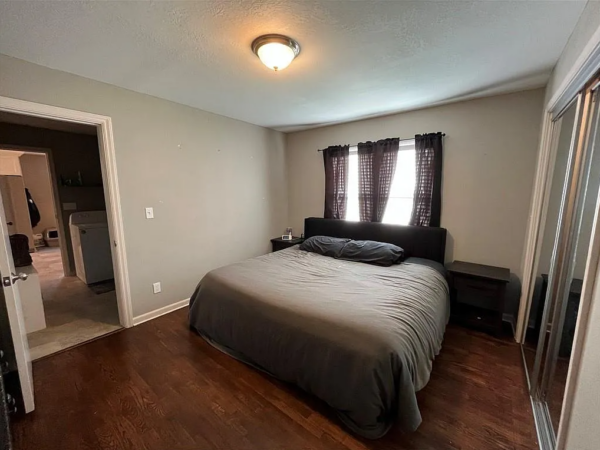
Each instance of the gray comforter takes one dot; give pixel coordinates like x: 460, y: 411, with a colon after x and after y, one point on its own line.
x: 360, y: 337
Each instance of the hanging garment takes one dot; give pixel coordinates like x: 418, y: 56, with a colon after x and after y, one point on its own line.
x: 34, y: 212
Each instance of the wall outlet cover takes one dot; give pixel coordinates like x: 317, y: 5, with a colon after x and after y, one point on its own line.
x: 156, y: 287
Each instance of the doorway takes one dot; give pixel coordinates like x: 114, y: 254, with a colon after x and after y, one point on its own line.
x: 55, y: 198
x: 16, y: 337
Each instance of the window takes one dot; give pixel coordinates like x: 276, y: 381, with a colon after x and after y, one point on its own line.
x: 400, y: 203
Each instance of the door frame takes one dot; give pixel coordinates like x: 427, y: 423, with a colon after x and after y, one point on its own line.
x: 110, y: 181
x: 62, y: 239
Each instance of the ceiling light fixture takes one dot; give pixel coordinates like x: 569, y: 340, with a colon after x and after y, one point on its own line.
x: 275, y: 50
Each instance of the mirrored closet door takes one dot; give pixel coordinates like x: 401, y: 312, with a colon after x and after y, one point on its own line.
x: 572, y: 190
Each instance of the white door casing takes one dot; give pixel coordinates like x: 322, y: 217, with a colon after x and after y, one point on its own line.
x: 110, y: 182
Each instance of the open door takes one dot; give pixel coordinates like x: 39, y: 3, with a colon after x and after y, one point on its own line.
x: 10, y: 288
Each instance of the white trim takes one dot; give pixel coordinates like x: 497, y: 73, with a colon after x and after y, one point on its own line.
x: 161, y: 311
x: 111, y: 187
x: 535, y: 218
x: 112, y: 192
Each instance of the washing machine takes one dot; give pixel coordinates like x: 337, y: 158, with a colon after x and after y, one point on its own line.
x: 91, y: 246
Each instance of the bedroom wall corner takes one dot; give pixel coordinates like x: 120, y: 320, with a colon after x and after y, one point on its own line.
x: 217, y: 184
x: 490, y: 155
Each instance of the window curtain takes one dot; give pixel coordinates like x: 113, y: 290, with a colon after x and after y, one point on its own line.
x: 427, y: 207
x: 335, y: 159
x: 376, y: 167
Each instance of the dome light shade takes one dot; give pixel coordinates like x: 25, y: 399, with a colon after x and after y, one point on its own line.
x: 275, y: 50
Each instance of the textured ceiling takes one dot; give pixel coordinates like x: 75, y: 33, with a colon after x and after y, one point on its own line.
x: 358, y: 59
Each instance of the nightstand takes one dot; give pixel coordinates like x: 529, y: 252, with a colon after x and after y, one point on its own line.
x: 280, y: 244
x: 477, y: 293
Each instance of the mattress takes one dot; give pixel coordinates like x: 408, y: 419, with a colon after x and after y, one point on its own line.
x: 360, y: 337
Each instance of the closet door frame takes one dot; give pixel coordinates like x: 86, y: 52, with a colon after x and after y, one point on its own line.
x: 562, y: 232
x: 560, y: 250
x: 577, y: 192
x: 582, y: 70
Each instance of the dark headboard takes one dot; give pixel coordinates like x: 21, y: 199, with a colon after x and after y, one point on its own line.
x: 421, y: 242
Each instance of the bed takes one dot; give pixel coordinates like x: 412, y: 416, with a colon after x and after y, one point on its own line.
x: 360, y: 337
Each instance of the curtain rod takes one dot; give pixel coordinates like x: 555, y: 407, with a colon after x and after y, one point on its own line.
x: 401, y: 140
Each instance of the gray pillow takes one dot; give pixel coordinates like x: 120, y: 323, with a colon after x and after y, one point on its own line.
x: 324, y: 245
x: 372, y: 252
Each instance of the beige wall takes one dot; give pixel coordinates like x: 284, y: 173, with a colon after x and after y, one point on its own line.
x: 37, y: 179
x: 489, y: 161
x: 217, y: 185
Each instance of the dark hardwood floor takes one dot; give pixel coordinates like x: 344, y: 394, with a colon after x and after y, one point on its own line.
x: 160, y: 386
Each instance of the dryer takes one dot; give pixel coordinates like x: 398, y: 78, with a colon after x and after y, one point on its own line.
x: 91, y: 246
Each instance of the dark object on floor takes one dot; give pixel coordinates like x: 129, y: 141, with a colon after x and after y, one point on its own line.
x: 157, y: 386
x: 478, y: 293
x: 102, y: 287
x: 11, y: 399
x: 19, y: 244
x: 4, y: 429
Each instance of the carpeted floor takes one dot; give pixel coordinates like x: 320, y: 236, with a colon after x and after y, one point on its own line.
x: 74, y: 312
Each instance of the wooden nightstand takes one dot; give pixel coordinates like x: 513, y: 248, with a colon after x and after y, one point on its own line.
x: 280, y: 244
x: 477, y: 293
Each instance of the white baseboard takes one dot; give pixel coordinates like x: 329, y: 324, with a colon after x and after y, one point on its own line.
x: 160, y: 311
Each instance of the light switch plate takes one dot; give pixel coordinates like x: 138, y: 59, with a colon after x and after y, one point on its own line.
x: 156, y: 287
x: 69, y: 206
x: 150, y: 213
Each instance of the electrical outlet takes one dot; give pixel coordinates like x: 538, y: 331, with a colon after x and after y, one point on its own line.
x: 150, y: 213
x: 156, y: 287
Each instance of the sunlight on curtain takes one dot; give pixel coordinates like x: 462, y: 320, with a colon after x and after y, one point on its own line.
x: 400, y: 203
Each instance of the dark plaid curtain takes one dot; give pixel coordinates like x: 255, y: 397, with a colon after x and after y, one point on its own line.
x: 336, y: 181
x: 427, y: 208
x: 376, y: 167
